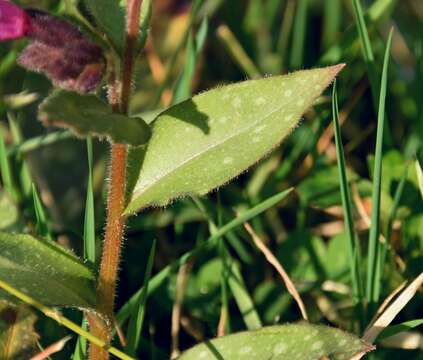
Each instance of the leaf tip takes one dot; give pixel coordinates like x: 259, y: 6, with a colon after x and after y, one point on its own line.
x: 336, y: 69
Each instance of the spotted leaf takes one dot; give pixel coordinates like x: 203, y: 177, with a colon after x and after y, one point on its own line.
x: 295, y: 341
x: 205, y: 141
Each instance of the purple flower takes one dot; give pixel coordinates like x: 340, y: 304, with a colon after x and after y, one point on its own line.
x: 14, y: 22
x: 56, y: 48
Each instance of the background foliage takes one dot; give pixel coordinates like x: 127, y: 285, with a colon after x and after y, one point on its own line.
x: 193, y: 48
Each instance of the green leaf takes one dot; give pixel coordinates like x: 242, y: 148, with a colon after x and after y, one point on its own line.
x: 42, y: 225
x: 194, y: 46
x: 204, y: 142
x: 419, y: 172
x: 137, y: 319
x: 243, y: 298
x: 396, y: 329
x: 88, y: 115
x: 45, y: 271
x: 110, y: 17
x: 17, y: 334
x: 295, y: 341
x: 374, y: 247
x: 145, y: 17
x: 89, y: 219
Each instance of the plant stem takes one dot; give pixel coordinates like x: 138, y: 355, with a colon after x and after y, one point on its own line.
x: 116, y: 198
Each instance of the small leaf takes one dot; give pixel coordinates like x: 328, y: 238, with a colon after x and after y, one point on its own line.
x: 110, y: 17
x: 88, y: 115
x: 204, y: 142
x: 17, y: 334
x: 296, y: 341
x: 45, y: 271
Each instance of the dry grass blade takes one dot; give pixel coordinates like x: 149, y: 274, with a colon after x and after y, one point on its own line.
x: 52, y: 349
x: 181, y: 283
x: 392, y: 311
x: 278, y: 267
x: 406, y: 340
x: 385, y: 304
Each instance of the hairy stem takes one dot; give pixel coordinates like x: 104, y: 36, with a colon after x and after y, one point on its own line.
x: 115, y: 225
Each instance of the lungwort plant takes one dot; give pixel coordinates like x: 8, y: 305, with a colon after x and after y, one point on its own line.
x: 196, y: 145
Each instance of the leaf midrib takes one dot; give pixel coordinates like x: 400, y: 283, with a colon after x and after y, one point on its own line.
x: 210, y: 148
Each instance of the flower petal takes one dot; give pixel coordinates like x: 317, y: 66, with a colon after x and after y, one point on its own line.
x: 14, y: 22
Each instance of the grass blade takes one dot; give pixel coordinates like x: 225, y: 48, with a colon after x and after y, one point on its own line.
x: 368, y: 55
x: 392, y: 216
x: 89, y: 220
x: 372, y: 287
x: 40, y: 214
x: 332, y: 21
x: 137, y: 318
x: 24, y: 173
x: 159, y: 278
x: 183, y: 88
x: 395, y: 329
x: 300, y: 25
x: 242, y: 297
x: 237, y: 52
x: 40, y: 141
x: 353, y: 245
x: 6, y: 174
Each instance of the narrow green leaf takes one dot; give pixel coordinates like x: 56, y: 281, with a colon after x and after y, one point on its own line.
x: 39, y: 141
x: 42, y: 226
x: 368, y: 56
x: 194, y: 46
x: 17, y: 333
x: 45, y: 271
x: 419, y: 172
x: 159, y: 278
x: 89, y: 219
x: 373, y: 286
x: 299, y: 33
x: 145, y: 17
x: 395, y: 329
x: 21, y: 164
x: 243, y: 298
x: 293, y: 341
x: 204, y: 142
x: 80, y: 352
x: 5, y: 171
x: 332, y: 21
x: 353, y: 244
x: 88, y: 115
x: 110, y: 17
x: 137, y: 318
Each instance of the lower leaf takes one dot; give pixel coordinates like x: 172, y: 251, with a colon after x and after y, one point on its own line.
x: 294, y: 341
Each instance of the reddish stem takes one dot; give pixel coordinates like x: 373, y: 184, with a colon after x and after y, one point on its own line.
x: 116, y: 198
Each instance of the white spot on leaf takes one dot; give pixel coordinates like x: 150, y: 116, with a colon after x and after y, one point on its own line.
x: 317, y: 345
x: 236, y: 103
x: 227, y: 160
x: 260, y: 101
x: 245, y: 350
x: 288, y: 93
x: 279, y: 349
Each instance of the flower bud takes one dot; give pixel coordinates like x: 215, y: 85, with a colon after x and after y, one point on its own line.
x: 14, y: 22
